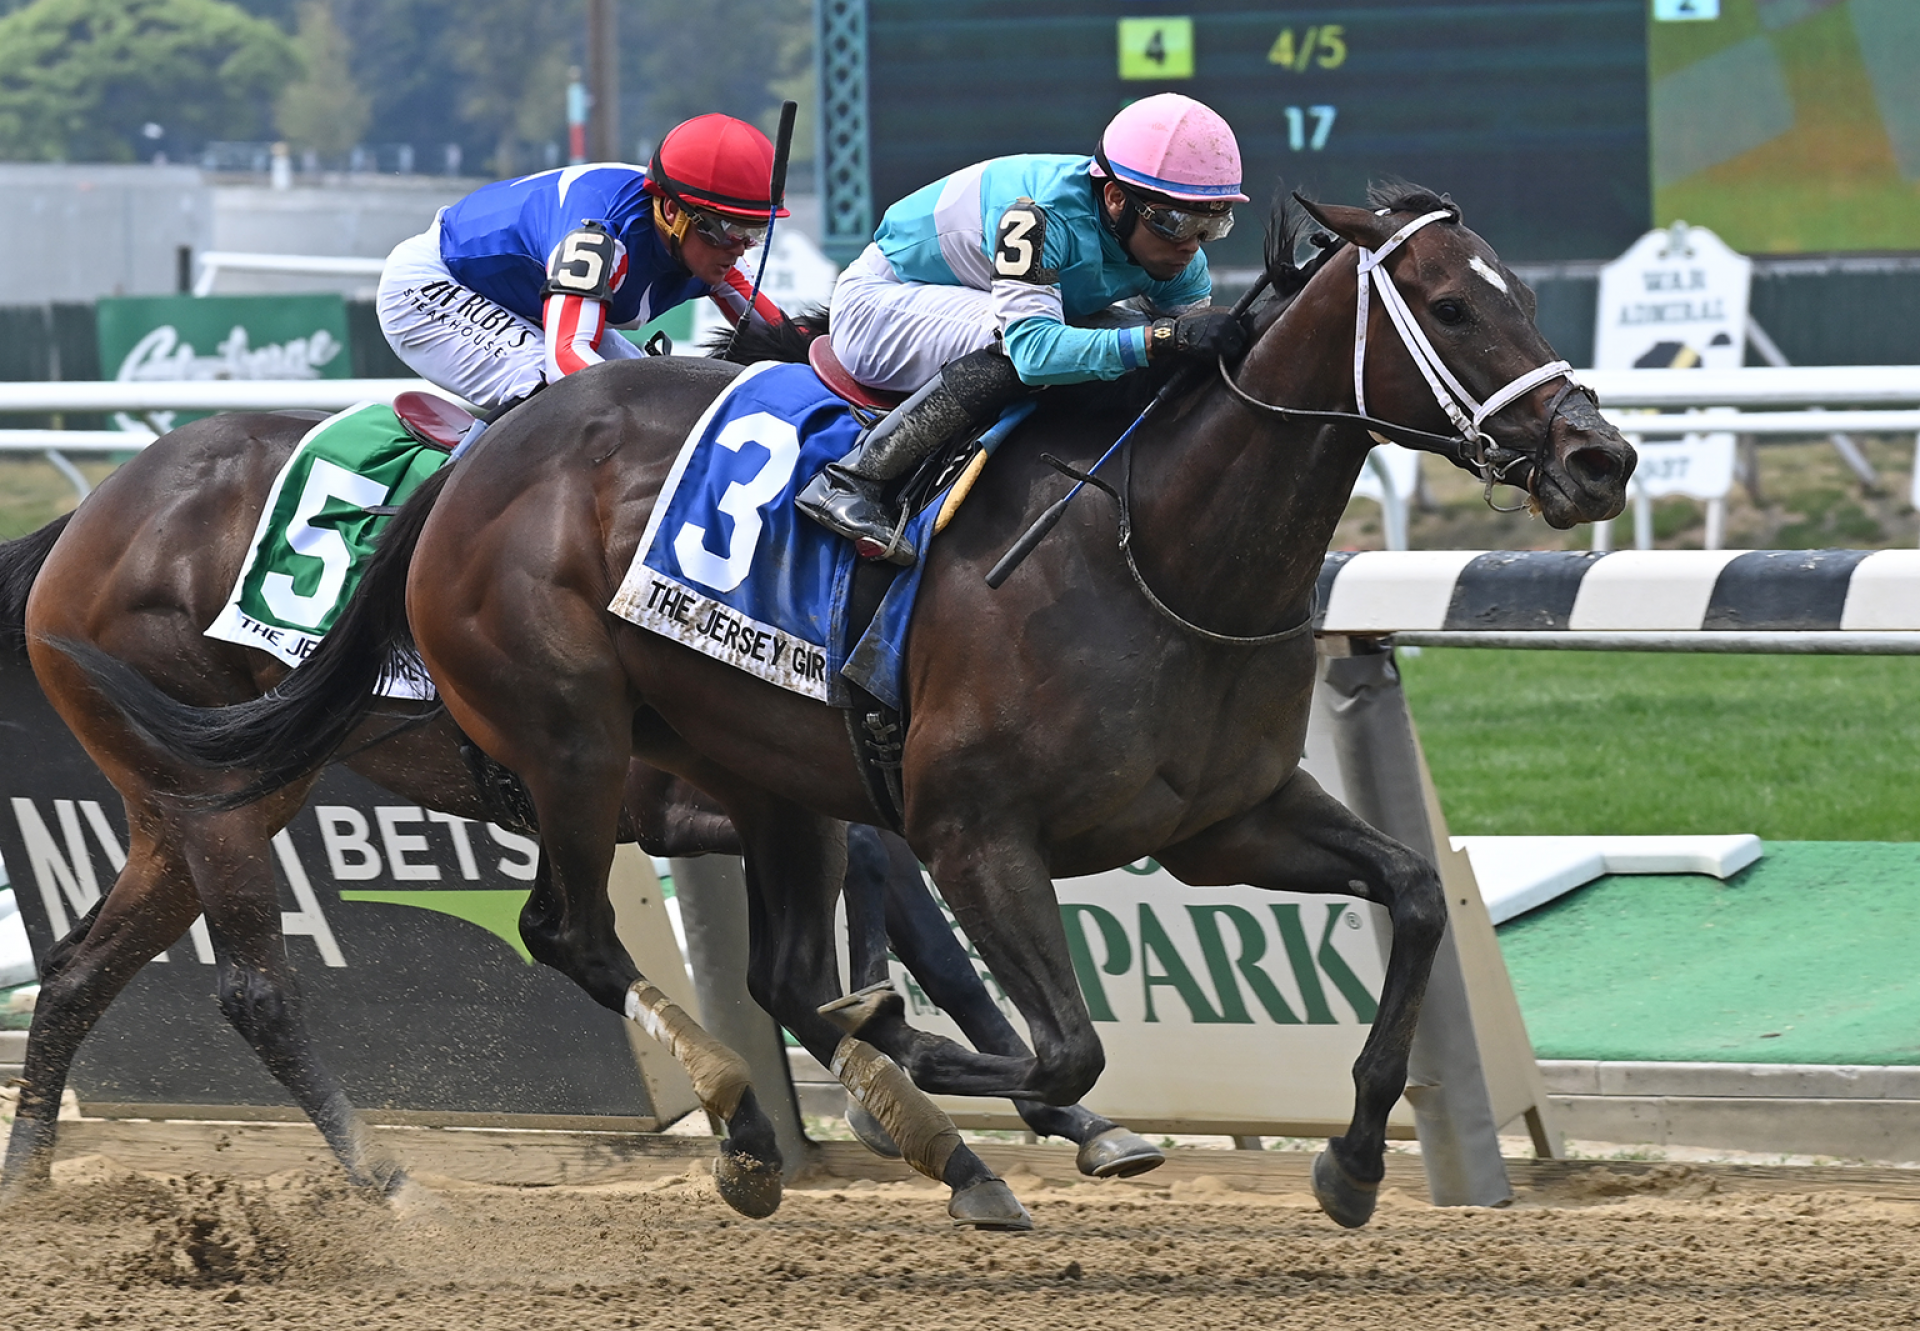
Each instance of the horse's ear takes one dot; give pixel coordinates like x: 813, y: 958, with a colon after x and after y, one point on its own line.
x: 1356, y: 225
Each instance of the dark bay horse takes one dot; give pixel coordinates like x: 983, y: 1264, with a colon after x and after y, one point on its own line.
x: 1132, y: 691
x: 138, y: 572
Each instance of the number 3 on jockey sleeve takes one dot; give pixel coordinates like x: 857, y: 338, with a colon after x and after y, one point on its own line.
x: 583, y: 264
x: 1020, y: 245
x: 742, y: 502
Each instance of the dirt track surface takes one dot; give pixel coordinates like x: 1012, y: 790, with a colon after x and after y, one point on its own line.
x: 1675, y: 1248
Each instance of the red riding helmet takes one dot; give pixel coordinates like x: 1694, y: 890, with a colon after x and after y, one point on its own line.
x: 717, y: 164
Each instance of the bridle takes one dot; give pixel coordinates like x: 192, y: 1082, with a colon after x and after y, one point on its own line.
x: 1472, y: 447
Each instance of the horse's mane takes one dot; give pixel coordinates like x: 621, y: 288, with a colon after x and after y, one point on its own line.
x: 1288, y: 226
x: 785, y: 341
x: 1403, y: 196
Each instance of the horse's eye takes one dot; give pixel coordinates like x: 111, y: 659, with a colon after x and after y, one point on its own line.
x: 1450, y: 311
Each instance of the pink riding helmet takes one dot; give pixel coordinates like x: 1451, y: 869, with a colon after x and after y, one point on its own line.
x: 1174, y: 146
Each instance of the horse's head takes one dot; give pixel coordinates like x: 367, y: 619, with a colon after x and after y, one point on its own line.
x: 1490, y: 376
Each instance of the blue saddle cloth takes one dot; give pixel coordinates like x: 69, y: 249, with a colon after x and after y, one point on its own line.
x: 730, y: 568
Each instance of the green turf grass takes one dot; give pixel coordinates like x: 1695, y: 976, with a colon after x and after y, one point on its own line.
x: 1811, y: 955
x: 1792, y: 748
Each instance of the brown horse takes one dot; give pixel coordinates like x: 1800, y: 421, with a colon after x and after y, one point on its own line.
x: 1079, y: 718
x: 137, y: 572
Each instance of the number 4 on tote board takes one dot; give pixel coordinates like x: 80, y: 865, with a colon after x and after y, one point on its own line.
x: 1683, y: 11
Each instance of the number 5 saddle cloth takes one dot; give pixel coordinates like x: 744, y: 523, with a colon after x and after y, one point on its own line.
x: 322, y: 517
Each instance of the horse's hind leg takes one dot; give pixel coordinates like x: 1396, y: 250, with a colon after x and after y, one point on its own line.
x: 149, y: 906
x: 568, y: 924
x: 795, y: 863
x: 231, y: 860
x: 1303, y: 840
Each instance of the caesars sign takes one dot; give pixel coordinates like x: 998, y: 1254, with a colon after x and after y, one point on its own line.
x: 165, y: 339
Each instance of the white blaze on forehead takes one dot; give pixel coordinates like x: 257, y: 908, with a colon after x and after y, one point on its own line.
x: 1481, y: 267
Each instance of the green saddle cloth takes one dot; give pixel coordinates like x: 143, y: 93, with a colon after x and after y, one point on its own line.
x: 318, y: 530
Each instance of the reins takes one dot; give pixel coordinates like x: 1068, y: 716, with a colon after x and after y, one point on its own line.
x: 1120, y: 495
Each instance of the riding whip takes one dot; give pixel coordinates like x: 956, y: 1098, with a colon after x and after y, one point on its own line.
x: 776, y: 192
x: 1046, y: 522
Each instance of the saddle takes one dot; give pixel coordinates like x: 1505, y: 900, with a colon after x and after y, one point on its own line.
x: 432, y: 420
x: 826, y: 364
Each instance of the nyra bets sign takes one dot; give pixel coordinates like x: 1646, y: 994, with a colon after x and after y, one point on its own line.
x: 1676, y: 300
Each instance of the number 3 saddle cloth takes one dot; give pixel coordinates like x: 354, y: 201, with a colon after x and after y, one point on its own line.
x: 728, y: 566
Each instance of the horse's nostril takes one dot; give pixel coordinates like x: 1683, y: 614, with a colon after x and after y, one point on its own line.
x: 1596, y: 466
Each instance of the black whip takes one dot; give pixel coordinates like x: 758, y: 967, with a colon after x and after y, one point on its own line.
x: 777, y: 193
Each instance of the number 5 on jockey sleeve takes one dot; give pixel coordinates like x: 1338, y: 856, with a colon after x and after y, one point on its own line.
x: 582, y: 272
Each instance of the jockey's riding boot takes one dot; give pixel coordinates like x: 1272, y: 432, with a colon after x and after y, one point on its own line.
x: 849, y: 496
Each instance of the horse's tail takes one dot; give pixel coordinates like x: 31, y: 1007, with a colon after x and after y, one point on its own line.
x: 20, y: 564
x: 297, y: 726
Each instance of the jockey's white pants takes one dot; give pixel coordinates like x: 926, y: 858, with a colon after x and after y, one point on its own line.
x: 897, y: 335
x: 453, y: 336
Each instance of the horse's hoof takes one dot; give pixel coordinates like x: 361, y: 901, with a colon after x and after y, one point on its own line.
x: 852, y: 1013
x: 1118, y: 1153
x: 871, y: 1133
x: 989, y: 1204
x: 1347, y: 1201
x: 749, y: 1186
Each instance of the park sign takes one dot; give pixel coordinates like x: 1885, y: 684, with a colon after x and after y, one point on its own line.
x: 171, y: 339
x: 1215, y: 1005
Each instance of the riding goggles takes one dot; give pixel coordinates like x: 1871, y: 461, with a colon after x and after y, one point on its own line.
x: 1183, y: 224
x: 723, y: 232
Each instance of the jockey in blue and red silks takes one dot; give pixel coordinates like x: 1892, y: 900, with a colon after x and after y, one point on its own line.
x: 517, y: 284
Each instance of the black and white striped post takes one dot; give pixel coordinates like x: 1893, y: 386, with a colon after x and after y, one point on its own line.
x: 1472, y: 1070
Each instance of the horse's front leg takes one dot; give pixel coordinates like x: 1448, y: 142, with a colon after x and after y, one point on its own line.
x: 925, y: 944
x: 1303, y: 840
x: 997, y: 885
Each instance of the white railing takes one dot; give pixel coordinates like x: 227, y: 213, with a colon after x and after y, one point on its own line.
x: 214, y: 262
x: 1759, y: 386
x: 1882, y: 399
x: 1832, y: 401
x: 170, y: 395
x: 203, y: 394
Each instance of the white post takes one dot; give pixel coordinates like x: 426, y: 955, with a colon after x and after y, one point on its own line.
x: 1380, y: 773
x: 1913, y: 498
x: 1716, y: 523
x: 1642, y: 519
x: 712, y: 892
x: 1393, y: 506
